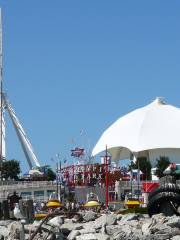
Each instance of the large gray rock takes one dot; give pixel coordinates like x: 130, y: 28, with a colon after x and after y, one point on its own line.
x: 160, y: 228
x: 66, y: 228
x: 78, y: 226
x: 16, y: 231
x: 175, y: 237
x: 163, y: 236
x: 131, y: 216
x: 158, y: 218
x: 119, y: 216
x: 5, y: 222
x: 145, y: 227
x: 101, y: 236
x: 128, y: 233
x: 134, y: 224
x: 113, y: 229
x: 105, y: 220
x: 4, y: 231
x: 173, y: 221
x: 87, y: 231
x: 73, y: 235
x: 89, y: 236
x: 56, y: 221
x: 89, y: 216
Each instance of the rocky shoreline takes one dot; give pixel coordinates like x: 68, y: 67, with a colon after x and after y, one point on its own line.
x: 92, y: 226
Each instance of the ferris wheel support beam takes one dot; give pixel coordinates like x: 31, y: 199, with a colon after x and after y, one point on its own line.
x: 25, y: 143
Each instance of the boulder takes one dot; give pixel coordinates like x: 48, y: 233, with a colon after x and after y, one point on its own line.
x: 73, y: 235
x: 113, y: 229
x: 163, y: 236
x: 5, y: 222
x: 101, y: 236
x: 119, y: 216
x: 16, y: 231
x: 56, y: 221
x: 106, y: 220
x: 173, y: 221
x: 145, y: 228
x: 89, y: 236
x: 89, y: 216
x: 78, y: 226
x: 158, y: 218
x: 87, y: 231
x: 131, y: 216
x: 4, y: 231
x: 176, y: 237
x: 66, y: 228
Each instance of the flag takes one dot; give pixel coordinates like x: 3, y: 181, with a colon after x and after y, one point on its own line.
x: 77, y: 152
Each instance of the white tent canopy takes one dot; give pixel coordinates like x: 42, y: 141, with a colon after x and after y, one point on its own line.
x: 155, y: 126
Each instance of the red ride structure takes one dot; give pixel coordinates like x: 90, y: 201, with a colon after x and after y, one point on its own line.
x: 89, y: 175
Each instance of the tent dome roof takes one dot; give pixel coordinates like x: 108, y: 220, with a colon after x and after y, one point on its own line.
x: 154, y: 126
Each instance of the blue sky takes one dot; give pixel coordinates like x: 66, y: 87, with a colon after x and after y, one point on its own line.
x: 72, y: 65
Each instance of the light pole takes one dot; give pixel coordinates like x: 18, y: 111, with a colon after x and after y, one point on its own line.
x: 59, y: 175
x: 57, y: 180
x: 107, y: 178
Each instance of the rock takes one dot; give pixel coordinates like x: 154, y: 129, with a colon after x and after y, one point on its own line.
x: 145, y: 228
x: 89, y: 216
x: 4, y: 231
x: 78, y: 226
x: 113, y: 229
x: 119, y: 216
x: 15, y: 231
x: 56, y: 221
x: 89, y: 236
x: 59, y: 236
x: 131, y: 216
x: 175, y: 237
x: 163, y: 236
x: 158, y: 218
x: 87, y: 230
x: 101, y: 236
x: 173, y: 221
x: 160, y: 228
x: 5, y: 222
x: 105, y: 220
x: 73, y: 235
x: 77, y: 218
x: 66, y: 228
x: 134, y: 224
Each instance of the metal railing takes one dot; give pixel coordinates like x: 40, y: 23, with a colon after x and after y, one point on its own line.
x: 17, y: 185
x: 134, y: 183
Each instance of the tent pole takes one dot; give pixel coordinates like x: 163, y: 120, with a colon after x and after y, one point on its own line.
x: 138, y: 176
x: 131, y: 176
x: 107, y: 180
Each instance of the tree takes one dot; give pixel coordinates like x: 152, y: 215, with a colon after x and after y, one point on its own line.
x: 161, y: 164
x: 51, y: 176
x: 11, y: 169
x: 144, y: 165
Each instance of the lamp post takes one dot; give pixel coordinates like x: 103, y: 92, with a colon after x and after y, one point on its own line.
x: 107, y: 179
x: 59, y: 175
x: 57, y: 180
